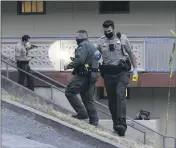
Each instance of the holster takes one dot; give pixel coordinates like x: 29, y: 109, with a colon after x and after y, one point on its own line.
x: 101, y: 70
x: 126, y: 65
x: 81, y: 71
x: 115, y: 69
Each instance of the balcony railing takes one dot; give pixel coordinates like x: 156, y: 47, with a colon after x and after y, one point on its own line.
x: 152, y: 52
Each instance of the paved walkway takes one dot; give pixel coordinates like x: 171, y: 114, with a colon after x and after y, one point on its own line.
x: 13, y: 141
x: 18, y: 131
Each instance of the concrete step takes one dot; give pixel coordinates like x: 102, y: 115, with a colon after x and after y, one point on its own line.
x: 36, y: 102
x: 82, y: 129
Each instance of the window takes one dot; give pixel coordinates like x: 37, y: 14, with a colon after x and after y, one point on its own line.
x: 110, y: 7
x: 31, y: 7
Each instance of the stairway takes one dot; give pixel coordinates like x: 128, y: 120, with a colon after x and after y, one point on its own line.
x: 54, y: 95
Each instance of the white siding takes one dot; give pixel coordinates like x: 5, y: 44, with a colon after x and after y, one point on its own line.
x: 65, y: 18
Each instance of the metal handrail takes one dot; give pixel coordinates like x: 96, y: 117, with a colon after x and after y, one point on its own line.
x: 62, y: 91
x: 139, y: 123
x: 37, y: 73
x: 164, y: 137
x: 148, y: 66
x: 30, y: 75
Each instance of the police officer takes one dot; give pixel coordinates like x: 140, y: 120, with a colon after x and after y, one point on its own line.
x: 85, y: 64
x: 22, y: 58
x: 117, y: 58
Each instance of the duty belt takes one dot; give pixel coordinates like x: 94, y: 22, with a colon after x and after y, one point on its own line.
x: 93, y: 70
x: 90, y: 69
x: 111, y: 69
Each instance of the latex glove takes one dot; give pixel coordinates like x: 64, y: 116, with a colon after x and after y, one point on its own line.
x: 97, y: 55
x: 135, y: 75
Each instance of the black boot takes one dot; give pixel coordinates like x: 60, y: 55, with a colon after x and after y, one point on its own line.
x: 80, y: 117
x: 94, y: 124
x: 120, y: 130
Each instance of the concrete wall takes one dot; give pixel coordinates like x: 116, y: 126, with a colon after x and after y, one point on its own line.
x: 155, y: 100
x: 65, y: 18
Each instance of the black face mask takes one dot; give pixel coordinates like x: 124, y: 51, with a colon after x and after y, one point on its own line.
x: 109, y: 35
x: 79, y: 41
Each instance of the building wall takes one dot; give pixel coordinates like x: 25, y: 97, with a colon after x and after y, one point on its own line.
x: 65, y: 18
x: 155, y: 101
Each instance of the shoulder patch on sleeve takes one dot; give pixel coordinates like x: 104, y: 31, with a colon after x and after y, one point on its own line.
x: 123, y: 39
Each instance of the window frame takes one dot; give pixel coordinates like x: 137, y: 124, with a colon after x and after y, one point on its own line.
x: 19, y: 9
x: 114, y: 12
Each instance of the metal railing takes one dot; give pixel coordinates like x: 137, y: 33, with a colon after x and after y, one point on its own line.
x: 33, y: 72
x: 53, y: 86
x: 155, y: 57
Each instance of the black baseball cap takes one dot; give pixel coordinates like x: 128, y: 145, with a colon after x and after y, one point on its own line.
x: 25, y: 37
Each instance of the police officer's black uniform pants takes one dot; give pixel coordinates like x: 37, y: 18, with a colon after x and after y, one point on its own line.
x: 116, y: 92
x: 81, y: 85
x: 24, y: 65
